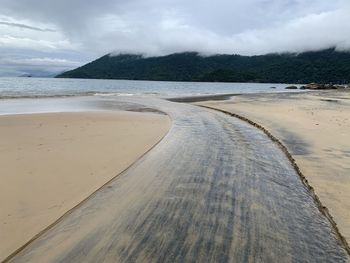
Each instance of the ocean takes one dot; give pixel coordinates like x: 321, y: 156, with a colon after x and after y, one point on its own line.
x: 20, y: 95
x: 51, y: 87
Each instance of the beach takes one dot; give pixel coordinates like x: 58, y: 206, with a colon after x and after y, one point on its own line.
x: 215, y: 189
x: 315, y: 128
x: 50, y: 162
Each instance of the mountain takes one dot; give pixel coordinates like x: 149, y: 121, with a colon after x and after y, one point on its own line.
x: 326, y: 66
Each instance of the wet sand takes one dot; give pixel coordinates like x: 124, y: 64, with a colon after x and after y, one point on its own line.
x: 50, y: 162
x: 215, y: 189
x: 315, y: 127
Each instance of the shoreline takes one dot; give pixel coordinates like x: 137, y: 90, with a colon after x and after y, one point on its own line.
x: 73, y: 156
x: 228, y: 96
x: 323, y: 209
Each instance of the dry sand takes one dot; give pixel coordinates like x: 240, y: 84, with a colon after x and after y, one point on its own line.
x: 315, y: 127
x: 52, y: 161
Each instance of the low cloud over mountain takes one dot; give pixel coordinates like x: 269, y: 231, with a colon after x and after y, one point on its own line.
x: 74, y: 32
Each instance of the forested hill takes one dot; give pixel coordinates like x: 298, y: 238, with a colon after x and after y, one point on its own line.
x: 326, y: 66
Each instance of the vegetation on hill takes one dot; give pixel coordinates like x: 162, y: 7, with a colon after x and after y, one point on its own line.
x: 326, y: 66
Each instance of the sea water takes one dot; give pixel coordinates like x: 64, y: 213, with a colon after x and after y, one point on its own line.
x: 52, y: 87
x: 20, y: 95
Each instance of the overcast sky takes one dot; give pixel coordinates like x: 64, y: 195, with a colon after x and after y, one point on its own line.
x: 55, y: 35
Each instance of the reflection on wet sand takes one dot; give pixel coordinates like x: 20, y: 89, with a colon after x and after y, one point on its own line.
x: 215, y: 189
x: 315, y: 127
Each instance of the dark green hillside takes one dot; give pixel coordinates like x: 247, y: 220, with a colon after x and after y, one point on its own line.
x: 326, y: 66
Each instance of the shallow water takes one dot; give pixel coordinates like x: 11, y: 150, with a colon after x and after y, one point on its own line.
x: 214, y: 190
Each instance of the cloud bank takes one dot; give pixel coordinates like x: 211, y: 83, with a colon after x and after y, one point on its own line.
x: 78, y: 31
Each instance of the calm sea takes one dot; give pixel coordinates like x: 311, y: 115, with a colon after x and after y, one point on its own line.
x: 50, y: 87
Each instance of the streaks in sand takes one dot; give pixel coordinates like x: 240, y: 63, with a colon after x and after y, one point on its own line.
x: 214, y: 190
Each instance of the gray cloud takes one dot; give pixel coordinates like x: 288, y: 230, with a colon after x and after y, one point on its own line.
x: 38, y: 66
x: 157, y: 27
x: 27, y: 27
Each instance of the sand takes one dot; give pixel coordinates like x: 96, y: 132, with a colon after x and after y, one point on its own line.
x: 50, y: 162
x: 315, y: 127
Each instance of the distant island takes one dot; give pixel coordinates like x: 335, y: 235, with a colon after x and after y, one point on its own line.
x: 326, y: 66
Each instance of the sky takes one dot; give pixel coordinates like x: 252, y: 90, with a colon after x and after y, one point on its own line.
x: 47, y: 37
